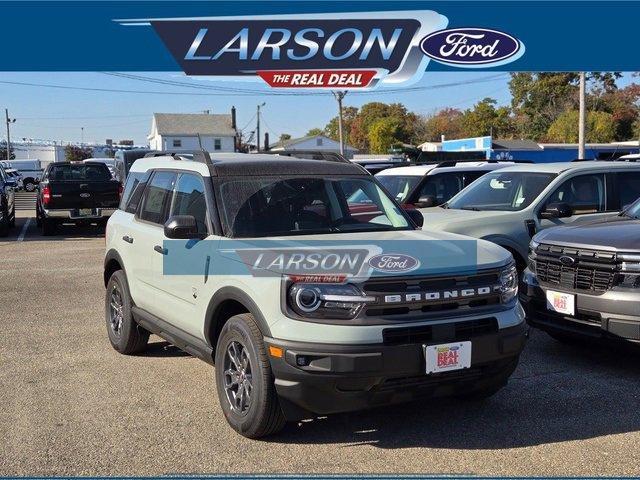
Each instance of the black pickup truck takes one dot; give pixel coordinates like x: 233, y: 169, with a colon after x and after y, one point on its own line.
x: 80, y: 193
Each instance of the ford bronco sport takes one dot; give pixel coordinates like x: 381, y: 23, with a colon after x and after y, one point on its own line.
x: 286, y: 347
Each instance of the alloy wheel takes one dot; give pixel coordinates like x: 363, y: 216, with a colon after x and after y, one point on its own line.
x: 238, y: 378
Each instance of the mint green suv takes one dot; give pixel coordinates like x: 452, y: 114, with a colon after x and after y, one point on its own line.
x: 195, y: 254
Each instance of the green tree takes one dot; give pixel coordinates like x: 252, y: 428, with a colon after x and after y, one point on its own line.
x: 538, y: 99
x: 349, y: 114
x: 284, y: 137
x: 446, y: 122
x: 383, y: 134
x: 314, y: 131
x: 600, y: 127
x: 485, y: 119
x: 75, y: 153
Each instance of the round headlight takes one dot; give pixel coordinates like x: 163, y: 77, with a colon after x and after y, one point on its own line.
x: 307, y: 299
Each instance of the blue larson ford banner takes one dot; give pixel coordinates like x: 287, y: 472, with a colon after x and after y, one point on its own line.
x: 319, y: 44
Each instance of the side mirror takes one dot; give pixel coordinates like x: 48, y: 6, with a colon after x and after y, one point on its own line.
x: 557, y: 210
x: 426, y: 201
x: 183, y: 227
x: 416, y: 217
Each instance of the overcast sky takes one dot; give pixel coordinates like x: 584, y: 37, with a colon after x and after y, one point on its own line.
x: 60, y: 113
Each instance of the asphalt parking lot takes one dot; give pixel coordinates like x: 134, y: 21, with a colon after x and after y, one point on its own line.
x: 72, y: 406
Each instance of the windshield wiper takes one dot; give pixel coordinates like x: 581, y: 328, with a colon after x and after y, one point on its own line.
x: 475, y: 209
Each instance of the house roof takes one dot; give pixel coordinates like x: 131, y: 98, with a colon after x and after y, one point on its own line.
x: 294, y: 141
x: 193, y: 124
x: 515, y: 145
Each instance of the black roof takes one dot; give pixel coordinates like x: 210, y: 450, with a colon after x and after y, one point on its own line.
x: 243, y: 164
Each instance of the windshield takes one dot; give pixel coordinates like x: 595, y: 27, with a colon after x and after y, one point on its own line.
x: 633, y: 211
x: 259, y: 207
x: 399, y: 186
x: 507, y: 191
x: 80, y: 171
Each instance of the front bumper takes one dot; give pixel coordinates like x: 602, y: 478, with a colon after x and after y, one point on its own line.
x: 341, y: 378
x: 613, y: 315
x: 73, y: 214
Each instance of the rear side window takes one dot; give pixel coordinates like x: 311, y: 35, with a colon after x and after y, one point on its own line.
x: 189, y: 199
x: 155, y: 203
x: 133, y: 191
x: 79, y: 172
x: 628, y: 184
x: 584, y: 193
x: 441, y: 187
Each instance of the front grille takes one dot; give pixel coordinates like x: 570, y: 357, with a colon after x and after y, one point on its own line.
x: 590, y: 270
x: 381, y: 287
x: 448, y: 332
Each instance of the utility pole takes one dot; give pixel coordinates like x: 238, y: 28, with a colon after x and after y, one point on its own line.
x: 9, y: 122
x: 258, y: 126
x: 339, y: 96
x: 582, y: 118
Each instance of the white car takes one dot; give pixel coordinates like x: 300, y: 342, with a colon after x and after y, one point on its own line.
x: 194, y: 256
x: 434, y: 184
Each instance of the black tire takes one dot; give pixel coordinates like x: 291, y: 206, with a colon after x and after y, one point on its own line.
x: 29, y: 185
x: 4, y: 227
x: 125, y: 335
x: 262, y: 415
x: 48, y: 227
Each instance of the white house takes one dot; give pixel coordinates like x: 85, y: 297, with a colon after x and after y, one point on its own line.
x: 314, y: 142
x: 179, y: 131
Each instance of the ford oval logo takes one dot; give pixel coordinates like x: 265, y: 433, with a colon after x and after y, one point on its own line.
x: 85, y: 195
x: 393, y: 262
x: 566, y: 260
x: 472, y: 47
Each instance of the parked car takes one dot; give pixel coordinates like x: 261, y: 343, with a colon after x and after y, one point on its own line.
x: 286, y: 347
x: 511, y: 205
x: 109, y: 162
x: 431, y: 185
x: 7, y: 203
x: 584, y: 280
x: 123, y: 161
x: 14, y: 174
x: 76, y: 192
x: 31, y: 171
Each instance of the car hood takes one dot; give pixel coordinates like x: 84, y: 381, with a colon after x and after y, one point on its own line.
x: 441, y: 218
x: 437, y: 252
x: 613, y: 233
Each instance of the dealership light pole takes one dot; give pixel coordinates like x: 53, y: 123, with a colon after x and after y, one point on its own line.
x: 582, y: 118
x: 258, y: 126
x: 339, y: 96
x: 9, y: 122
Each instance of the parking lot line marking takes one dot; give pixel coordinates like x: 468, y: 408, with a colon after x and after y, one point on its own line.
x: 23, y: 232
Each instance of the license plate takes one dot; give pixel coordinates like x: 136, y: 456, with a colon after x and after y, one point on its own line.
x: 85, y: 212
x: 447, y: 357
x: 561, y: 302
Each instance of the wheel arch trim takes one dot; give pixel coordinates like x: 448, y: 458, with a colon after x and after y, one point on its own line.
x: 240, y: 296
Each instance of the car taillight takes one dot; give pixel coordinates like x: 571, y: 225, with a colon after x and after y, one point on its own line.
x: 120, y: 191
x: 46, y: 194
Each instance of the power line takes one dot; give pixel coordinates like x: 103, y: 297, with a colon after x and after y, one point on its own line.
x: 214, y: 91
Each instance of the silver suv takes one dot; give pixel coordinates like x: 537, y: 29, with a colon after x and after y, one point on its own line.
x: 511, y: 205
x: 306, y: 303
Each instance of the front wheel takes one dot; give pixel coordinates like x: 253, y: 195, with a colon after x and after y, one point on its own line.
x: 244, y: 380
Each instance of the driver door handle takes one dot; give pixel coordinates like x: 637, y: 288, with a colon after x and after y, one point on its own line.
x: 128, y: 239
